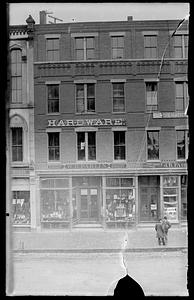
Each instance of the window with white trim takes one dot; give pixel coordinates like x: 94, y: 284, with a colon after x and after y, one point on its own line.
x: 84, y: 48
x: 17, y: 144
x: 117, y: 47
x: 181, y: 45
x: 85, y: 97
x: 86, y: 145
x: 182, y: 96
x: 118, y: 97
x: 52, y: 49
x: 150, y: 46
x: 151, y: 96
x: 53, y: 146
x: 16, y: 76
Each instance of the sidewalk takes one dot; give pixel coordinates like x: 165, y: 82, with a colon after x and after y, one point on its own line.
x: 97, y: 240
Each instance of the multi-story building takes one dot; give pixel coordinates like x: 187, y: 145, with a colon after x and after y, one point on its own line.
x: 20, y: 137
x: 110, y: 123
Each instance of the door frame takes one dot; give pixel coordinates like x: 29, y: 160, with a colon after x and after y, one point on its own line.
x: 89, y: 219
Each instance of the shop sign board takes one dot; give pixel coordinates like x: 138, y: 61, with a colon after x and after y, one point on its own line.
x: 168, y: 115
x: 86, y: 122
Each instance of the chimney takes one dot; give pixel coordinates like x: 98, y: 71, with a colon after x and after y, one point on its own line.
x: 129, y: 18
x: 43, y: 17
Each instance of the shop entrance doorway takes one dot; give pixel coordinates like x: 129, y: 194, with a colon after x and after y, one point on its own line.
x: 88, y: 204
x: 149, y: 195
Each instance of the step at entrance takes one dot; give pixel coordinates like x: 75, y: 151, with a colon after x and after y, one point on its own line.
x: 88, y: 225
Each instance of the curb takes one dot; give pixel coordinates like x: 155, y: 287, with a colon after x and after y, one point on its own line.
x: 157, y: 249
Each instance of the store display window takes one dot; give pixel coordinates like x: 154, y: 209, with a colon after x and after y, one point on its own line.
x: 170, y: 197
x: 54, y: 201
x: 120, y: 200
x: 184, y: 179
x: 21, y: 207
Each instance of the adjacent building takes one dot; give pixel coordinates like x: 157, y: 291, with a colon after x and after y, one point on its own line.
x: 108, y: 127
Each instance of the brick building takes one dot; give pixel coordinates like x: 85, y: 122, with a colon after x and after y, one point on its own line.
x: 110, y: 123
x: 20, y: 138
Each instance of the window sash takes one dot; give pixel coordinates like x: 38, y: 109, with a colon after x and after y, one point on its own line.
x: 16, y: 76
x: 86, y: 146
x: 181, y: 144
x: 181, y: 46
x: 52, y: 46
x: 182, y: 97
x: 53, y: 98
x: 17, y: 144
x: 53, y: 146
x: 117, y: 47
x: 85, y: 98
x: 85, y: 48
x: 153, y: 145
x: 119, y: 145
x: 118, y: 97
x: 150, y: 46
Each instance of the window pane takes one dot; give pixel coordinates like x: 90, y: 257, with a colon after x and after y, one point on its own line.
x: 80, y: 98
x: 153, y: 144
x: 81, y: 145
x: 91, y: 146
x: 90, y: 54
x: 53, y: 143
x: 178, y: 52
x: 21, y: 207
x: 79, y: 43
x: 90, y: 42
x: 178, y: 40
x: 181, y: 144
x: 79, y: 54
x: 53, y: 91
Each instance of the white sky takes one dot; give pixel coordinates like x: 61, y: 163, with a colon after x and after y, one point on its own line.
x: 83, y: 12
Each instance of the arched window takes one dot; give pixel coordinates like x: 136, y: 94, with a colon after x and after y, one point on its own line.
x: 16, y: 76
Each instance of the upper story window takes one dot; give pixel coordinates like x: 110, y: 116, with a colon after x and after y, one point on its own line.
x: 84, y: 48
x: 151, y: 96
x: 17, y: 144
x: 150, y: 46
x: 53, y: 146
x: 181, y: 46
x: 118, y: 97
x: 182, y: 97
x: 53, y: 98
x: 16, y: 76
x: 181, y: 144
x: 52, y: 49
x: 153, y: 145
x: 119, y: 145
x: 85, y: 97
x: 117, y: 47
x: 86, y: 146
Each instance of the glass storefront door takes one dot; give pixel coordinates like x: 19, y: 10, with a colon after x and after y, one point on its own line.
x: 170, y: 197
x: 89, y: 210
x: 149, y: 191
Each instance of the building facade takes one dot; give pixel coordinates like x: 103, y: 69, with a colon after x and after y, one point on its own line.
x: 110, y: 124
x: 21, y: 125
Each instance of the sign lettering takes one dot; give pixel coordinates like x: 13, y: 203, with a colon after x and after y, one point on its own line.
x: 86, y: 122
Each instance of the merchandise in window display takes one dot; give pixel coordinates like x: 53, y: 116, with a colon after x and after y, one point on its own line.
x: 21, y: 211
x: 120, y: 207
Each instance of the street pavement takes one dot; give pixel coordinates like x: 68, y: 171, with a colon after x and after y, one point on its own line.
x: 96, y: 274
x: 97, y: 240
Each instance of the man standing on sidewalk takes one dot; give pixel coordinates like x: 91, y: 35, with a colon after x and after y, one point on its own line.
x: 160, y: 232
x: 166, y: 225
